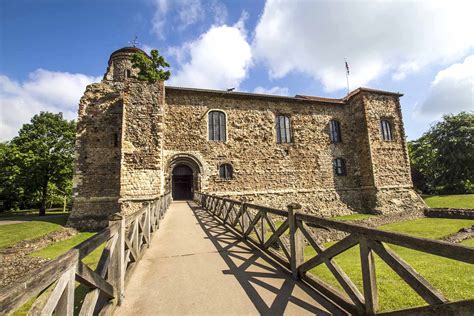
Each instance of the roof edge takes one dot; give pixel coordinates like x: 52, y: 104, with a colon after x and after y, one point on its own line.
x: 258, y: 95
x: 297, y: 97
x: 370, y: 90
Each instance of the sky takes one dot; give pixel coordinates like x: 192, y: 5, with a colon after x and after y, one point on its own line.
x: 50, y: 50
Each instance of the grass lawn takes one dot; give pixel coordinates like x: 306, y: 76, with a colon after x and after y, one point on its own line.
x: 454, y: 279
x: 468, y: 242
x: 451, y: 201
x: 31, y: 212
x: 433, y: 228
x: 58, y: 249
x: 353, y: 217
x: 12, y: 233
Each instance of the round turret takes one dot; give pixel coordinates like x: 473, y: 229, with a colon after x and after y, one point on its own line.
x: 120, y: 64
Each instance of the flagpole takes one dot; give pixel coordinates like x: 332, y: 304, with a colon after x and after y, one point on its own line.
x: 347, y: 76
x: 347, y: 79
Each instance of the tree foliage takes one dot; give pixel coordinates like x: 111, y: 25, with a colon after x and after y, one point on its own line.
x: 38, y: 162
x: 150, y: 68
x: 443, y: 158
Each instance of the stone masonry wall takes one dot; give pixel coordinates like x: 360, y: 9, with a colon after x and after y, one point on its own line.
x: 131, y: 136
x: 389, y: 159
x: 96, y: 188
x: 141, y: 171
x: 269, y: 173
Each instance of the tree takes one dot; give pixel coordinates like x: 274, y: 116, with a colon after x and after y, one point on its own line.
x: 10, y: 192
x: 445, y: 155
x: 150, y: 68
x: 45, y: 156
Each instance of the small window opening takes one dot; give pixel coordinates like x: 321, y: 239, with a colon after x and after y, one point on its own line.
x: 283, y: 129
x: 225, y: 171
x: 129, y: 73
x: 335, y: 131
x: 116, y: 140
x: 217, y: 126
x: 339, y: 167
x: 386, y: 130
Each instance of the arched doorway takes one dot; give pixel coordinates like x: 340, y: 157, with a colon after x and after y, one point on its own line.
x: 182, y: 183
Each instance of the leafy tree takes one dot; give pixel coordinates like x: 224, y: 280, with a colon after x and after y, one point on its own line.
x: 444, y: 156
x: 45, y: 154
x: 150, y: 68
x: 10, y: 191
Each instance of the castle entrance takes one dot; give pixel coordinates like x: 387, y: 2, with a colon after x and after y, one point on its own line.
x: 182, y: 183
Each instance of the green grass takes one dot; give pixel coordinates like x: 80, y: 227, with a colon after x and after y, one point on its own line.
x: 451, y: 201
x: 453, y: 278
x: 468, y: 242
x: 353, y: 217
x: 58, y: 249
x: 13, y: 233
x: 433, y: 228
x: 31, y: 212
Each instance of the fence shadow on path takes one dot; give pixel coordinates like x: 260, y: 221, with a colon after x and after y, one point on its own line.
x: 266, y: 284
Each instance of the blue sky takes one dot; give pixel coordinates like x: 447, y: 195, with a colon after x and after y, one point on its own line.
x: 50, y: 50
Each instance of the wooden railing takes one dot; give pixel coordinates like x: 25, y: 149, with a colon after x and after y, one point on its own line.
x: 285, y: 243
x: 52, y: 286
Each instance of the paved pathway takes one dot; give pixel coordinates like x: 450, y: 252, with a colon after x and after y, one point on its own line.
x: 196, y: 266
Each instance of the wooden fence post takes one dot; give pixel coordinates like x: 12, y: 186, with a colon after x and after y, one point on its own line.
x: 116, y: 274
x: 245, y: 218
x: 65, y: 304
x: 296, y: 241
x: 368, y: 277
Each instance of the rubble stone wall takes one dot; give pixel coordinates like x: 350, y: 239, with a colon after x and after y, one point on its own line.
x: 96, y: 183
x: 131, y: 134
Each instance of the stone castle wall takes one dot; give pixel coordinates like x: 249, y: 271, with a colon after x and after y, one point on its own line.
x: 275, y: 174
x: 131, y: 134
x: 142, y: 145
x: 96, y: 183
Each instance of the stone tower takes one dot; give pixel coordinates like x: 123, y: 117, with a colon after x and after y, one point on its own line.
x: 119, y: 144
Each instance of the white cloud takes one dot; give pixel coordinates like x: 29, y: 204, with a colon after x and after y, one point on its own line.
x: 452, y: 91
x: 273, y: 90
x: 190, y: 12
x: 218, y: 59
x: 179, y: 14
x: 158, y: 21
x: 43, y: 91
x: 219, y: 10
x: 376, y: 37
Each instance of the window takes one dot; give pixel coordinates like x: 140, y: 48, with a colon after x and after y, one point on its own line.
x: 339, y: 167
x: 217, y: 124
x: 129, y: 73
x: 335, y: 131
x: 386, y: 130
x: 116, y: 140
x: 225, y: 171
x: 283, y: 129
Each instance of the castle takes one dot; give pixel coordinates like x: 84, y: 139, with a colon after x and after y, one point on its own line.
x: 137, y: 140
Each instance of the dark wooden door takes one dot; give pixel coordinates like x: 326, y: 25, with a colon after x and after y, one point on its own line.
x: 182, y: 183
x: 182, y: 187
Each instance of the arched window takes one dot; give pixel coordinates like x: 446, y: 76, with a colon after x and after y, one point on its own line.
x: 225, y: 171
x: 217, y: 126
x: 335, y: 131
x: 386, y: 130
x: 283, y: 129
x: 339, y: 167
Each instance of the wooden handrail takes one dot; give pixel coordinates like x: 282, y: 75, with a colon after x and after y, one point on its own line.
x: 52, y: 285
x: 251, y: 222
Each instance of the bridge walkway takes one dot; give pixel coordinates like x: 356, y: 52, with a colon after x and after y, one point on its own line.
x: 195, y: 265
